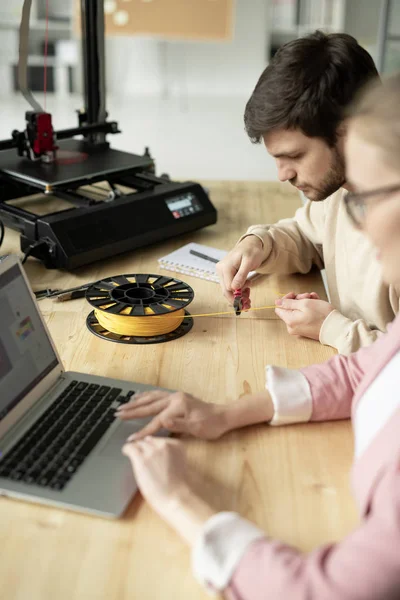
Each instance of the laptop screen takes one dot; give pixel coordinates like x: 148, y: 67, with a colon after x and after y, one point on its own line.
x: 26, y: 354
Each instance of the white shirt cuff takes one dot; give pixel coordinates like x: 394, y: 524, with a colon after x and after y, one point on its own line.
x: 221, y: 545
x: 290, y: 394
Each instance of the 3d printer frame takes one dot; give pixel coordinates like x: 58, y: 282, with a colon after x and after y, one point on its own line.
x: 134, y: 195
x: 93, y: 126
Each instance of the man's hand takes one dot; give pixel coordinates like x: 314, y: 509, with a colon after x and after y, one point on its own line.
x: 233, y: 270
x: 304, y: 296
x: 178, y: 412
x: 303, y: 313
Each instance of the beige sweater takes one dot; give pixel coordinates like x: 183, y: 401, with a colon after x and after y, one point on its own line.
x: 321, y: 233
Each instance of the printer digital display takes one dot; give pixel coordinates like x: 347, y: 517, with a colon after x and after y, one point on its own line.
x: 184, y: 205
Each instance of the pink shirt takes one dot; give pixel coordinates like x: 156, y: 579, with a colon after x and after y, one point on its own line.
x: 366, y: 564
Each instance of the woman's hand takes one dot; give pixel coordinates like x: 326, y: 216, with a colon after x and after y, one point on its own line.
x: 160, y: 470
x: 178, y: 412
x: 183, y: 413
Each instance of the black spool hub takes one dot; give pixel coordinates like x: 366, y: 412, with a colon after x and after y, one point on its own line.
x: 139, y: 295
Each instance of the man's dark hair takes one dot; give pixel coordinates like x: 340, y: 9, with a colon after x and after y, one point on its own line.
x: 307, y: 86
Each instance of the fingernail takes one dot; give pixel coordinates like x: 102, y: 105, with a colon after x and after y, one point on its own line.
x: 278, y: 301
x: 131, y: 438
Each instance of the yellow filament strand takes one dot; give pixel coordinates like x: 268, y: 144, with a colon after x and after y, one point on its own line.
x: 156, y: 325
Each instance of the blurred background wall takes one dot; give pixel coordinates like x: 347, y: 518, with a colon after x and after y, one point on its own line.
x: 179, y: 72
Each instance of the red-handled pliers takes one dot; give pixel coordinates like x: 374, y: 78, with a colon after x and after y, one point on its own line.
x: 238, y: 302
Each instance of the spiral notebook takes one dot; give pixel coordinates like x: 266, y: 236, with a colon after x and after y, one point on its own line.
x: 204, y: 267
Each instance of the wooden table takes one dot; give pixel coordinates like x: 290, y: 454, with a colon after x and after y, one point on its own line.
x: 292, y: 481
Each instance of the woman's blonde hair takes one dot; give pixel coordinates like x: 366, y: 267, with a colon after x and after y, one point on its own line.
x: 376, y: 117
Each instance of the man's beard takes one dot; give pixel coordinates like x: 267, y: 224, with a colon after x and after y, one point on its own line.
x: 334, y: 179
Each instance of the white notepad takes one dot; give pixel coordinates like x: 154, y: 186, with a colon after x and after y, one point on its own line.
x: 182, y: 261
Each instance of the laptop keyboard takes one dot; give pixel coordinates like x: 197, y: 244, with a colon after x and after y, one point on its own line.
x: 53, y: 449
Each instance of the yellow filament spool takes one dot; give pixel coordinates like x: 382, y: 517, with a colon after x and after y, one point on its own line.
x: 140, y: 326
x: 139, y: 308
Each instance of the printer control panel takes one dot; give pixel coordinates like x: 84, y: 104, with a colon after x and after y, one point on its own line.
x: 184, y: 205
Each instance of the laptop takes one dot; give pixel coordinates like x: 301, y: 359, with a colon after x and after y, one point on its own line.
x: 60, y: 443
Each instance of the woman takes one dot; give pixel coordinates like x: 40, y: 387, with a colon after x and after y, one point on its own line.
x: 229, y: 553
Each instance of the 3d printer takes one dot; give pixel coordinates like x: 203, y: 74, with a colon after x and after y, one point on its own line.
x: 138, y: 208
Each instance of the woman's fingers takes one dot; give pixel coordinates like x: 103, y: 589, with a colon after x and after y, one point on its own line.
x: 146, y: 398
x: 149, y: 429
x: 145, y: 446
x: 142, y: 400
x: 177, y: 424
x: 131, y: 411
x: 160, y: 442
x: 132, y: 451
x: 172, y: 418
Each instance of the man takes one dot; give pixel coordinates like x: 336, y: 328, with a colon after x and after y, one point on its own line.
x: 297, y: 111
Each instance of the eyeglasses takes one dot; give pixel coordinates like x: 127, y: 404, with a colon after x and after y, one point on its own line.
x: 356, y: 203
